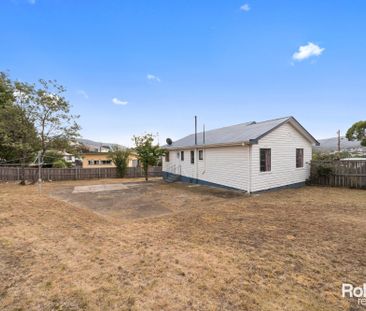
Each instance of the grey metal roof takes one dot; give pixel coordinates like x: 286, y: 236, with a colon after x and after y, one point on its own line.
x: 249, y: 132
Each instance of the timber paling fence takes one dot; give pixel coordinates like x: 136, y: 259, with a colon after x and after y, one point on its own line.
x: 54, y: 174
x: 351, y: 174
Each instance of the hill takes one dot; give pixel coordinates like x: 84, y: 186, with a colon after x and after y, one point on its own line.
x: 95, y: 144
x: 330, y: 144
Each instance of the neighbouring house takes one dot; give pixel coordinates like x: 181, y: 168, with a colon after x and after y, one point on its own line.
x: 69, y: 158
x: 104, y: 148
x: 101, y: 159
x: 252, y: 156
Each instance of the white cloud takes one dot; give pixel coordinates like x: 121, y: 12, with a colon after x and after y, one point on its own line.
x: 306, y: 51
x: 117, y: 101
x: 151, y: 77
x: 245, y: 7
x: 83, y: 94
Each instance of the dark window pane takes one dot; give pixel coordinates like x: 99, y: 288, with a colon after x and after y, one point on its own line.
x: 299, y: 157
x: 265, y: 160
x: 200, y: 154
x: 192, y: 157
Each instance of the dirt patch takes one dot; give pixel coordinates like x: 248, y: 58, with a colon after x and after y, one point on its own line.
x: 173, y: 247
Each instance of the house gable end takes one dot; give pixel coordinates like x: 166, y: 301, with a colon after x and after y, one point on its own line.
x: 296, y: 125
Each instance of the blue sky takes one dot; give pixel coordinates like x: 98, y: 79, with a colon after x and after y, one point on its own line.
x: 149, y: 66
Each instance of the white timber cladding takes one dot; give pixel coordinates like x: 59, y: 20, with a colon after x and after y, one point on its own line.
x: 227, y: 166
x: 239, y: 166
x: 283, y: 142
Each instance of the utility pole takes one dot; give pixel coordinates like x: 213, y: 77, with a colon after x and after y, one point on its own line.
x: 339, y: 141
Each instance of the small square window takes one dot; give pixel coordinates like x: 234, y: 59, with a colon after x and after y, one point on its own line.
x: 200, y: 155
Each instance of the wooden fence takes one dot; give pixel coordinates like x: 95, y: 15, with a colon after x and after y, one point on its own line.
x: 31, y: 174
x: 351, y: 174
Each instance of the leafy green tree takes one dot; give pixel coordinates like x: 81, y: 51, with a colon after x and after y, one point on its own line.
x: 34, y: 118
x: 147, y: 153
x: 120, y: 157
x: 18, y: 136
x: 6, y: 90
x: 357, y: 132
x: 56, y: 126
x: 55, y: 159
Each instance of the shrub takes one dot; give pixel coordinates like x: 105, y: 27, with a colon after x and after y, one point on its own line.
x: 59, y: 164
x: 120, y: 159
x: 324, y: 170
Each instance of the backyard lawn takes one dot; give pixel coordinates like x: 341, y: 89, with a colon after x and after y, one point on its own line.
x: 157, y: 246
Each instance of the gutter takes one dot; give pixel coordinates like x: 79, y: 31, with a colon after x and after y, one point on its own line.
x: 210, y: 146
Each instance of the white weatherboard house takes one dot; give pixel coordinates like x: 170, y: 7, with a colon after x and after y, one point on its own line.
x: 252, y: 156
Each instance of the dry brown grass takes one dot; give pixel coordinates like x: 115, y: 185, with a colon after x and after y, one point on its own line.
x: 204, y: 249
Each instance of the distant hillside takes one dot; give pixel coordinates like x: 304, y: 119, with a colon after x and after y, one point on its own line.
x: 330, y: 144
x: 95, y: 144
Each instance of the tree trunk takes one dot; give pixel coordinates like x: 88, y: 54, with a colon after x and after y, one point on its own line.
x: 146, y: 169
x: 23, y: 181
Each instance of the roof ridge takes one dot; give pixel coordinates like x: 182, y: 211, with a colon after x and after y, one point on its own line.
x: 276, y: 119
x: 223, y: 127
x: 243, y: 123
x: 246, y: 123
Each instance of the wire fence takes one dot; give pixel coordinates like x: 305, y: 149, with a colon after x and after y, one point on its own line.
x: 55, y: 174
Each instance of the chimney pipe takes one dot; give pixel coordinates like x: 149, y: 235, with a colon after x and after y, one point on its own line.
x: 195, y: 130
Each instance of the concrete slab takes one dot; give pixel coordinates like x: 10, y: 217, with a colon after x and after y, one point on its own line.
x: 99, y: 188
